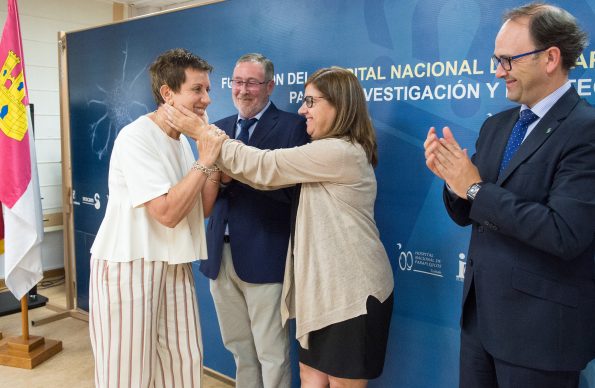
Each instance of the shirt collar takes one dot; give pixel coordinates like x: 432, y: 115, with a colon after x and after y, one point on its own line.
x: 543, y: 106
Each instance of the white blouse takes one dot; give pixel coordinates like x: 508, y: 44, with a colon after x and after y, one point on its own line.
x: 144, y: 165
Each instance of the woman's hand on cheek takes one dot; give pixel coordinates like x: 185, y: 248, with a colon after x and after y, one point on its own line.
x: 186, y: 121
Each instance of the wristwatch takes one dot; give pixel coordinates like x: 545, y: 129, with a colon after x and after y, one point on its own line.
x: 473, y: 190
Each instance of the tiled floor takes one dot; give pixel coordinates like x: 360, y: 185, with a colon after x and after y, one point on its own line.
x: 73, y: 366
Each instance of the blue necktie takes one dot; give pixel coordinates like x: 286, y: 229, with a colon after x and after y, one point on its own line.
x: 517, y: 136
x: 245, y: 125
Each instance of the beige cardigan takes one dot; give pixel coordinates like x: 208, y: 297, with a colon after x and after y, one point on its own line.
x: 338, y: 259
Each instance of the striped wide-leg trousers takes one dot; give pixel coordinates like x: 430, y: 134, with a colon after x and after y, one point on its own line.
x: 144, y: 325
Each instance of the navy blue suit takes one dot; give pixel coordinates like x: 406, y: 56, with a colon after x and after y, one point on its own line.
x: 531, y: 256
x: 259, y: 221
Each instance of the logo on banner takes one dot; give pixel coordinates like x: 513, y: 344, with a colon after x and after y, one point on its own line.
x: 75, y: 201
x: 462, y: 265
x: 424, y: 263
x: 93, y: 201
x: 405, y: 259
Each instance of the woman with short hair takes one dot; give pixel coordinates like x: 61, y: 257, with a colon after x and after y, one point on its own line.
x: 143, y: 312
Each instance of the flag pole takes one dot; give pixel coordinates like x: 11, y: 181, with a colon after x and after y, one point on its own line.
x: 25, y: 317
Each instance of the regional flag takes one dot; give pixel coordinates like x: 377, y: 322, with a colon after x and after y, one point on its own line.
x: 19, y: 186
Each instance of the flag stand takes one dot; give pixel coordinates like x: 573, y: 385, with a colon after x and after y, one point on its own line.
x: 27, y: 351
x: 69, y: 311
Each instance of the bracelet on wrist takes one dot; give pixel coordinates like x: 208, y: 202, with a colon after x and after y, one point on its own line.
x: 205, y: 170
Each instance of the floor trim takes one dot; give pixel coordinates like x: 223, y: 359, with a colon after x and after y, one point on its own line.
x: 219, y: 376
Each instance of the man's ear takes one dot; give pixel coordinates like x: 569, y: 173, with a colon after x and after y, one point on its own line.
x: 166, y: 94
x: 554, y: 59
x: 270, y: 87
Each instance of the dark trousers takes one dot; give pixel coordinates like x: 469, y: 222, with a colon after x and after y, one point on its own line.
x: 478, y: 369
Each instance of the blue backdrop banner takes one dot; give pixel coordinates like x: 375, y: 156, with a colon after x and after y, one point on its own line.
x: 421, y: 63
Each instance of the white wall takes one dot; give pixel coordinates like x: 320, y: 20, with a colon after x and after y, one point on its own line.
x: 40, y: 22
x: 142, y: 8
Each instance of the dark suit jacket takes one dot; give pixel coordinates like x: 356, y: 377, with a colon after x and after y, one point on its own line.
x: 531, y: 256
x: 258, y: 220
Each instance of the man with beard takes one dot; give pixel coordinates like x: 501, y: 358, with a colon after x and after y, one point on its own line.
x: 248, y: 235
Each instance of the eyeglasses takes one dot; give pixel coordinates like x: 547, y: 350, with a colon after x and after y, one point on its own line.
x: 506, y: 62
x: 309, y: 100
x: 250, y: 84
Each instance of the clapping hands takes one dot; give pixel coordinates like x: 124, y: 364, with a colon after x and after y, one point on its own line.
x: 447, y: 160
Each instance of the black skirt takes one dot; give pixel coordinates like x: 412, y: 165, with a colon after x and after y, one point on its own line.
x: 352, y: 349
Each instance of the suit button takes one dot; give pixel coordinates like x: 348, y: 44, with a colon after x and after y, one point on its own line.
x: 480, y: 229
x: 491, y: 226
x: 470, y: 262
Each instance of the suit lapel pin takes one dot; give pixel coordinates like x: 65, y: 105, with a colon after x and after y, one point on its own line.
x: 547, y: 131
